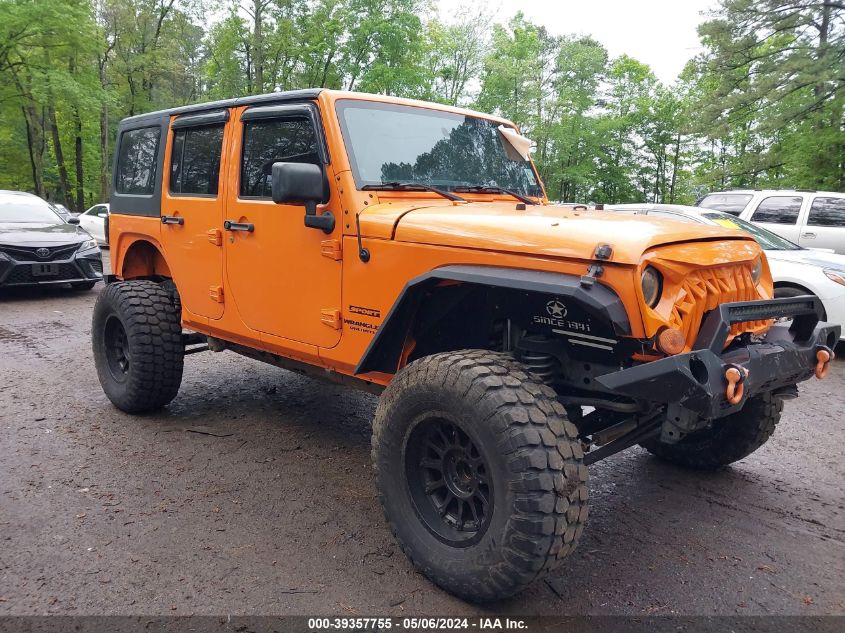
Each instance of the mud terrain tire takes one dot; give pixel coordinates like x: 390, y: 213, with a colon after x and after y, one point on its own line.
x: 137, y: 340
x: 513, y: 438
x: 729, y: 439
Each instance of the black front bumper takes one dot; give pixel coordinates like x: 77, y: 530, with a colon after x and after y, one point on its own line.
x: 18, y: 270
x: 696, y: 381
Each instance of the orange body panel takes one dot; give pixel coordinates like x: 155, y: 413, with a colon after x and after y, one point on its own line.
x: 305, y: 294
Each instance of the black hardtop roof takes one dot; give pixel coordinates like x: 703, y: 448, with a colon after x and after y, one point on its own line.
x: 271, y: 97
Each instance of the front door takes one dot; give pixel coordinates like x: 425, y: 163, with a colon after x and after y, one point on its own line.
x: 277, y: 270
x: 192, y: 211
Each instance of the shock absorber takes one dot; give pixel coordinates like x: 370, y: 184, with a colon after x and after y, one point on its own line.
x: 542, y: 364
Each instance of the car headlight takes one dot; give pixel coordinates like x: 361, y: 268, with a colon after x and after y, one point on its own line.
x: 835, y: 275
x: 651, y: 282
x: 88, y: 244
x: 757, y: 271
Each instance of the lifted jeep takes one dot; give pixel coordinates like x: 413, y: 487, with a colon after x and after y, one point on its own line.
x: 409, y: 249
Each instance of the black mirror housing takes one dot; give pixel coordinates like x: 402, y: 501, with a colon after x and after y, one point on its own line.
x: 297, y: 183
x: 302, y: 183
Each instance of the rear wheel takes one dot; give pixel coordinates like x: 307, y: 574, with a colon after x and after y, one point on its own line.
x: 137, y: 341
x: 480, y: 475
x: 729, y: 439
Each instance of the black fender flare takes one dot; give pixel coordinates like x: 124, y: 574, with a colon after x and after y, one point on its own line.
x: 385, y: 349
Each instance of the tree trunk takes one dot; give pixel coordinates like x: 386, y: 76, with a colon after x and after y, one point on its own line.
x: 60, y: 157
x: 80, y: 182
x: 33, y: 142
x: 675, y: 158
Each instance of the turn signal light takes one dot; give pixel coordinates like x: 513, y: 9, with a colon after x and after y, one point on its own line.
x: 671, y: 341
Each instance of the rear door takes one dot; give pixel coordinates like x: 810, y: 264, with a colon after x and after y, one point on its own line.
x: 780, y: 214
x: 825, y: 225
x: 192, y: 210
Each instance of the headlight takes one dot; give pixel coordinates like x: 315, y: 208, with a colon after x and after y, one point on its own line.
x: 651, y: 282
x: 757, y: 271
x: 88, y: 244
x: 835, y: 275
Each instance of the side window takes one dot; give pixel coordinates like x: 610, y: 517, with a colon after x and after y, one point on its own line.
x: 136, y: 161
x: 195, y: 160
x: 733, y: 203
x: 827, y: 212
x: 274, y: 141
x: 94, y: 210
x: 778, y: 210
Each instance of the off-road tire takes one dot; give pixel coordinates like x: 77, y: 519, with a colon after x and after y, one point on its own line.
x: 538, y: 479
x: 152, y: 335
x: 82, y: 285
x: 729, y: 439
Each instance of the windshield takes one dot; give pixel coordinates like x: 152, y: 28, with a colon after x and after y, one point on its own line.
x: 732, y: 203
x: 767, y: 240
x: 26, y: 209
x: 397, y: 143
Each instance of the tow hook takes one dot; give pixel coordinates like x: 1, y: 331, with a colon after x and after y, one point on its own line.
x: 823, y: 357
x: 735, y: 375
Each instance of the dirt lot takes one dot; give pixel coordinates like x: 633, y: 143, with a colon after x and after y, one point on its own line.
x: 253, y: 494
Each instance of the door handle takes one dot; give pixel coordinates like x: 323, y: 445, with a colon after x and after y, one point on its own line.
x: 809, y: 236
x: 172, y: 219
x: 249, y: 227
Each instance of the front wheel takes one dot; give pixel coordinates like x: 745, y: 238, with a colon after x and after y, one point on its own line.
x: 728, y: 440
x: 137, y: 341
x: 480, y: 474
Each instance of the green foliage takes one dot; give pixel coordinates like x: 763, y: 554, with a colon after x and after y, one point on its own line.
x: 761, y: 106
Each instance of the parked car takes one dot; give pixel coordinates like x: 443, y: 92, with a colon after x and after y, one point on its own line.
x: 795, y: 270
x: 37, y: 247
x: 93, y: 220
x: 813, y: 219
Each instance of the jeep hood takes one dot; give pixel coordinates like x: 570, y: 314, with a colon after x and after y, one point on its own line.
x: 546, y: 231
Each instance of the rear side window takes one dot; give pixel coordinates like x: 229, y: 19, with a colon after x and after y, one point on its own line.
x: 274, y: 141
x: 136, y: 161
x: 195, y: 160
x: 728, y: 202
x: 827, y: 212
x: 778, y: 210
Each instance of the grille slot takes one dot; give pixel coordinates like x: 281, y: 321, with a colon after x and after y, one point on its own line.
x: 28, y: 253
x: 703, y: 290
x: 23, y: 275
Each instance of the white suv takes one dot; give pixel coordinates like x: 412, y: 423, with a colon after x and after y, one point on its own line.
x: 812, y: 219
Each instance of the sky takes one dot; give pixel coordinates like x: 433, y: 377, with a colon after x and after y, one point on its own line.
x: 660, y: 33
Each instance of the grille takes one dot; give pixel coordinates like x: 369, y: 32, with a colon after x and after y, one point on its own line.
x: 23, y: 275
x: 27, y: 253
x: 95, y: 265
x: 705, y: 289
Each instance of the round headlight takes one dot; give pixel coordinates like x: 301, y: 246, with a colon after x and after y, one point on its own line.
x: 757, y: 270
x: 651, y: 282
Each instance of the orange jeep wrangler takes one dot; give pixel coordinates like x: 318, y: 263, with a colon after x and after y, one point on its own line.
x: 408, y: 249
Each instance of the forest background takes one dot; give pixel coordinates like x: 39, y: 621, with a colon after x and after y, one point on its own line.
x: 760, y: 106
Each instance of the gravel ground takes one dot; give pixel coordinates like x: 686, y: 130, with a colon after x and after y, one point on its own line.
x: 252, y: 493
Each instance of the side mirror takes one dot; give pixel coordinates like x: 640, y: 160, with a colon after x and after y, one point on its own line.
x: 72, y: 220
x: 302, y: 183
x: 103, y: 215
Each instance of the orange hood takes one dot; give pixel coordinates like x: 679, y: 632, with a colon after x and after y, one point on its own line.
x: 546, y: 231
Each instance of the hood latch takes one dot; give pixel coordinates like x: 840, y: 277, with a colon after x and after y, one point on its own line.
x: 602, y: 253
